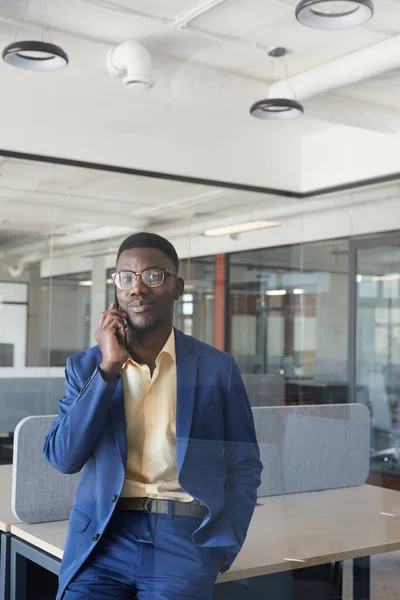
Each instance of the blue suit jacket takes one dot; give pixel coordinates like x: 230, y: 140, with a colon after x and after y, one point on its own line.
x: 217, y: 454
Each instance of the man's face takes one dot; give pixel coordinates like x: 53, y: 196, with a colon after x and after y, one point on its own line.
x: 148, y: 308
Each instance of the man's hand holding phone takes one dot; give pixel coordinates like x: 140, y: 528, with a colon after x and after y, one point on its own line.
x: 111, y: 337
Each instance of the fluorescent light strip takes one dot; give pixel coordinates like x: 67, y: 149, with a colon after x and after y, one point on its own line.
x: 276, y: 293
x: 240, y: 228
x: 390, y: 277
x: 298, y: 291
x: 369, y: 278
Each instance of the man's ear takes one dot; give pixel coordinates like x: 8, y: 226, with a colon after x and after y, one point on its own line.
x: 179, y: 288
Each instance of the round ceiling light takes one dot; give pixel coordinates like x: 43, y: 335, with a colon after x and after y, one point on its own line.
x: 334, y: 14
x: 35, y: 56
x: 276, y: 109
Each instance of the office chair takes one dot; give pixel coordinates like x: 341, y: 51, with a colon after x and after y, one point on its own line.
x: 382, y: 420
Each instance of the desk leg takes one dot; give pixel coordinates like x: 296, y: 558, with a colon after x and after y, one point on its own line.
x: 362, y: 578
x: 336, y: 581
x: 20, y: 553
x: 18, y: 569
x: 5, y: 540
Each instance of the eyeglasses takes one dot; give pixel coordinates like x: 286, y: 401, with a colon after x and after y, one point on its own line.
x: 152, y: 277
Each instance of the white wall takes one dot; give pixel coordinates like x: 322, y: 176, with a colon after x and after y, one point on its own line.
x: 243, y: 334
x: 332, y: 329
x: 13, y: 330
x: 347, y: 154
x: 64, y: 330
x: 14, y: 319
x: 22, y: 332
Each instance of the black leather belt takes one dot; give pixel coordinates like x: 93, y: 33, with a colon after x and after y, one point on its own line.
x: 152, y: 505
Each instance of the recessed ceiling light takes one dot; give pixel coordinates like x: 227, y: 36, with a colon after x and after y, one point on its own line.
x: 276, y: 109
x: 35, y: 56
x: 334, y: 14
x: 240, y: 228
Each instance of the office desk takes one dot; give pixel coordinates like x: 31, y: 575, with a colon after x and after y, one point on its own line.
x: 6, y: 520
x: 286, y: 533
x: 326, y: 392
x: 6, y: 516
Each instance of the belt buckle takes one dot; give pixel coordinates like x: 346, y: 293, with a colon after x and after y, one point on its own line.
x: 146, y: 505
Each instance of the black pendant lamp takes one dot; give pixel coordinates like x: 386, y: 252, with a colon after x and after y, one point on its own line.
x: 277, y: 109
x: 334, y: 14
x: 35, y: 56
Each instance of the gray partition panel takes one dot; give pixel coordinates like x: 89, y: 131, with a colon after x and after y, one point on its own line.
x: 20, y: 397
x: 40, y: 493
x: 310, y: 448
x: 303, y: 448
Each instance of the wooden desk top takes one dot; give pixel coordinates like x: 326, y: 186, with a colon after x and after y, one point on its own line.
x: 316, y: 384
x: 49, y: 537
x: 6, y: 516
x: 302, y: 530
x: 290, y: 532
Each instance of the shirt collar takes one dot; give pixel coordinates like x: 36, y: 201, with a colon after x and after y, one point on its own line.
x: 168, y: 348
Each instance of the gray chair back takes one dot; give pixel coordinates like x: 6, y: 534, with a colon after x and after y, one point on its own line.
x: 39, y: 492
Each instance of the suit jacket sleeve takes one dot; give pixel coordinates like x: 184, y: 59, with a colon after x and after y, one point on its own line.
x: 82, y: 415
x: 243, y: 460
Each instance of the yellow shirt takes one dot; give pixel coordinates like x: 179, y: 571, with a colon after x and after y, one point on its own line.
x: 150, y: 411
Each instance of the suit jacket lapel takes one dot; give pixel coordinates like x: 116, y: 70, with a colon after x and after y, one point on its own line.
x: 117, y: 414
x: 186, y: 366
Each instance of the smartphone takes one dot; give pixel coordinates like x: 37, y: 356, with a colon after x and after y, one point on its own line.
x: 121, y: 340
x: 116, y: 303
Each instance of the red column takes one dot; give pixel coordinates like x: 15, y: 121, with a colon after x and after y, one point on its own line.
x: 219, y: 304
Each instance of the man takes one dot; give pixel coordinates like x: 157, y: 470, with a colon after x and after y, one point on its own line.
x: 162, y: 427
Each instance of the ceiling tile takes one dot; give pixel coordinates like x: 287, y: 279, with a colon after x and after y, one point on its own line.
x: 273, y: 24
x: 160, y: 8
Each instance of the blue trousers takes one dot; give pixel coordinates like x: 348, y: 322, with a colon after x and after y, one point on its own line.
x: 148, y: 556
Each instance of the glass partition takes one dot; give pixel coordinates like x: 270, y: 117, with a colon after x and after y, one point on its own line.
x: 65, y: 320
x: 288, y: 318
x: 58, y: 242
x: 195, y: 311
x: 286, y: 309
x: 377, y: 349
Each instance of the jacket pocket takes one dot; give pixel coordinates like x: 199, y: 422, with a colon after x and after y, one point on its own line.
x: 79, y: 520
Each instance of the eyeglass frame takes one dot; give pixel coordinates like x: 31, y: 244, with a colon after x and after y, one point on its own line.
x: 139, y: 273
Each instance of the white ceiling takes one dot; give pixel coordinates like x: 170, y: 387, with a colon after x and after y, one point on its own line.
x: 210, y: 64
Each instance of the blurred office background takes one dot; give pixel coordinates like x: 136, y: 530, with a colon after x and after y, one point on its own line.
x: 316, y: 321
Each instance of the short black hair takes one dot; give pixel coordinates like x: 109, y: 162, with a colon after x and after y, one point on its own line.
x: 144, y: 239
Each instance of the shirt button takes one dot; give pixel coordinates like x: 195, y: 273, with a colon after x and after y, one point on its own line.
x: 115, y: 498
x: 96, y: 537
